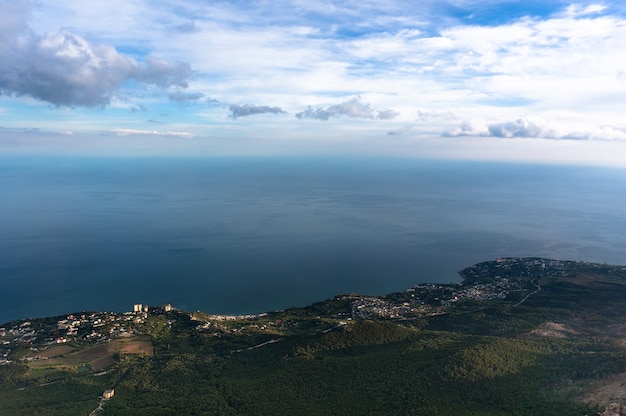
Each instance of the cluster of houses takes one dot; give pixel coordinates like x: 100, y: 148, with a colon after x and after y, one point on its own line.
x: 484, y: 281
x: 422, y: 301
x: 517, y: 268
x: 88, y: 326
x: 21, y: 332
x: 367, y: 306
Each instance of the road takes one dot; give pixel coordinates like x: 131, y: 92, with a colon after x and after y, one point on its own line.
x: 535, y: 282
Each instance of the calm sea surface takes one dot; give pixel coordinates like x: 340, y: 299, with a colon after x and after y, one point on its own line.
x: 250, y: 235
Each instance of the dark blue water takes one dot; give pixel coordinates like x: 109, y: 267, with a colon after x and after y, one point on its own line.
x: 250, y: 235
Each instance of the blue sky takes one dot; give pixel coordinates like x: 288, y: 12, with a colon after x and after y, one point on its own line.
x: 466, y: 79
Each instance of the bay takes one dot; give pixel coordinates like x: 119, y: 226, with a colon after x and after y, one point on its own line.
x: 247, y: 235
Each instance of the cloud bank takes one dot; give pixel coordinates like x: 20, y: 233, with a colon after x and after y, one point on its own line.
x: 64, y: 69
x: 535, y: 128
x: 353, y: 108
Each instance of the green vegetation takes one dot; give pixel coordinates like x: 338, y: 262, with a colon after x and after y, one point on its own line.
x: 480, y: 354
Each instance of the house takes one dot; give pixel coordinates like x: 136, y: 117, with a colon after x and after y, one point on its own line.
x: 108, y: 394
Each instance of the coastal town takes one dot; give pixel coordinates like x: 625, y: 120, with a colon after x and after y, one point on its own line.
x: 492, y: 280
x: 504, y: 279
x: 78, y: 328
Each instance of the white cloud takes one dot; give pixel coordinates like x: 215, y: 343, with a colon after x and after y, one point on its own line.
x: 294, y: 53
x: 135, y: 132
x: 65, y: 69
x: 471, y: 127
x: 354, y: 108
x: 581, y: 10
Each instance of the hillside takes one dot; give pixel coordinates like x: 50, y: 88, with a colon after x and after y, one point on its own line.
x: 525, y: 336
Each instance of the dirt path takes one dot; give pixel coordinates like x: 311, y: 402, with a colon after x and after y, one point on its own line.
x: 535, y: 282
x: 271, y: 341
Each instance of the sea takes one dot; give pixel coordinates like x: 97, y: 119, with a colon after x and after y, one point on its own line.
x: 244, y: 235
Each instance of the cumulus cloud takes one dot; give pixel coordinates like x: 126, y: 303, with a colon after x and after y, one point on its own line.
x: 523, y: 128
x: 250, y: 110
x: 535, y: 128
x: 64, y: 69
x: 353, y: 108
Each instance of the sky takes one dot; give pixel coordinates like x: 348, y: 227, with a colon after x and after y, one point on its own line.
x: 505, y: 80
